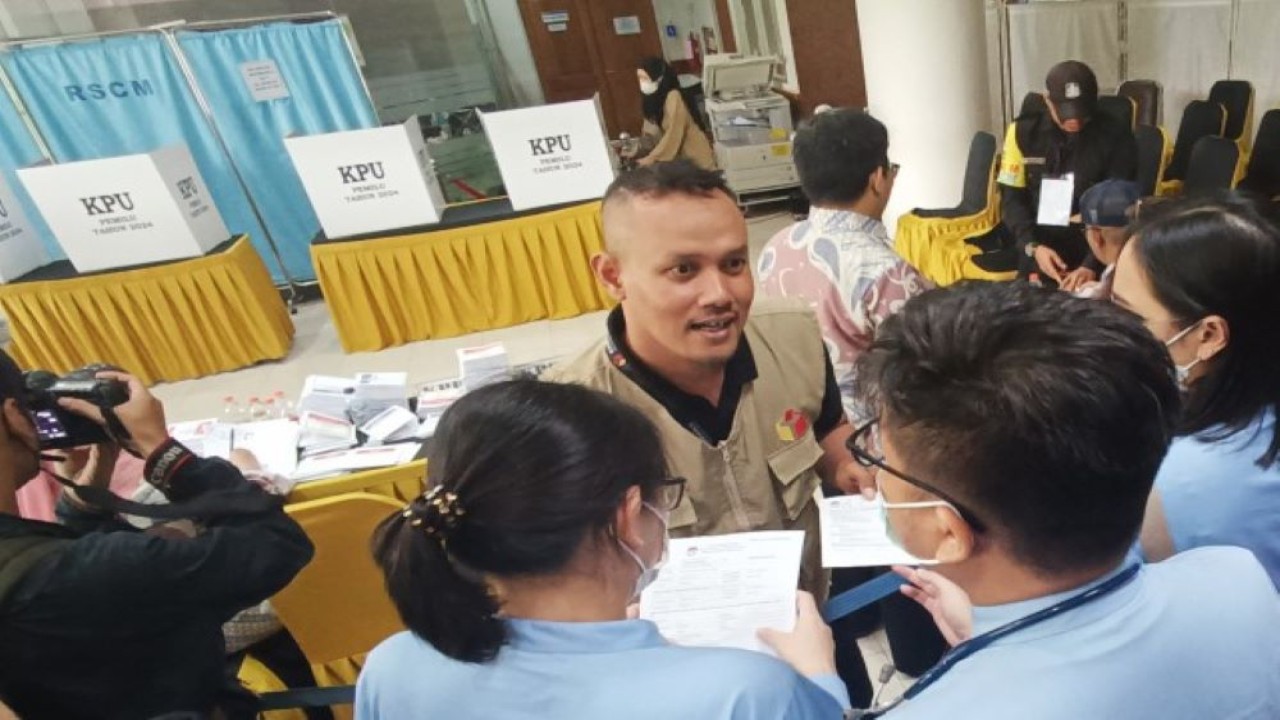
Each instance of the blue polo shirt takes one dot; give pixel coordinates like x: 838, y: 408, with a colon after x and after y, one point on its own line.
x: 574, y: 671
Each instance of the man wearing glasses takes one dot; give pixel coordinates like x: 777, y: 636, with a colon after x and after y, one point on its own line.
x: 841, y: 261
x: 745, y: 397
x: 1017, y: 435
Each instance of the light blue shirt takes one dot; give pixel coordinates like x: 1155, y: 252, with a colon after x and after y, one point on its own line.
x: 1215, y: 494
x: 565, y: 671
x: 1196, y: 636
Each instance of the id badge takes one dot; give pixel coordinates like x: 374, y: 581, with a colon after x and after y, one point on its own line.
x: 1055, y: 201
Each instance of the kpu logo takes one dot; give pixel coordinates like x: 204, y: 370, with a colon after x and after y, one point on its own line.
x: 550, y: 145
x: 361, y: 172
x: 187, y: 187
x: 115, y: 88
x: 107, y: 204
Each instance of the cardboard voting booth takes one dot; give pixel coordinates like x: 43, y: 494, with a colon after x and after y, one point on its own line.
x: 551, y: 154
x: 20, y: 248
x: 365, y: 181
x: 127, y: 210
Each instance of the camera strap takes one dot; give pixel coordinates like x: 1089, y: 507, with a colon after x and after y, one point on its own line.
x: 215, y: 504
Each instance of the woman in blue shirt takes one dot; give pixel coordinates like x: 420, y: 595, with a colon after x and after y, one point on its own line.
x: 545, y: 518
x: 1204, y: 275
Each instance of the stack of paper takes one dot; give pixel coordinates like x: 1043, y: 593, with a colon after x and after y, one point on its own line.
x: 326, y: 394
x: 206, y: 438
x: 391, y: 425
x: 482, y: 365
x: 273, y: 442
x: 432, y: 402
x: 341, y: 461
x: 324, y: 433
x: 375, y: 392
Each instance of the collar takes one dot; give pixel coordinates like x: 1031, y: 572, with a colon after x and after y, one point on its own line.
x: 989, y: 617
x: 834, y: 221
x: 544, y: 636
x: 740, y: 370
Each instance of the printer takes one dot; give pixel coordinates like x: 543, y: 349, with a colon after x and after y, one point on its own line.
x: 750, y: 124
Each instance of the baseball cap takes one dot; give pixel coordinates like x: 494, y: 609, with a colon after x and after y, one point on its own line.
x: 1107, y: 203
x: 1073, y: 88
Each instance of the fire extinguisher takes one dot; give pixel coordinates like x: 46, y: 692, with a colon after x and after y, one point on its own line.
x: 695, y: 52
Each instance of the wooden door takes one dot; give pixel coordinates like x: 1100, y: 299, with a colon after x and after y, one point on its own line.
x: 579, y: 50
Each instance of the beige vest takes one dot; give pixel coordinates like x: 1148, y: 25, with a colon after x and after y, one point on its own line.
x: 764, y: 475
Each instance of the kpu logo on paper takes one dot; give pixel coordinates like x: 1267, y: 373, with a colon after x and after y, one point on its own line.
x: 550, y: 145
x: 361, y: 172
x: 107, y: 204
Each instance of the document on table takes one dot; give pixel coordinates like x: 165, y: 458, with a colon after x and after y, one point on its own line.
x: 853, y: 535
x: 362, y: 458
x: 273, y: 442
x: 716, y: 591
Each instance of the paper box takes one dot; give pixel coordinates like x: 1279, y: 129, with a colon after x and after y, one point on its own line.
x: 20, y: 248
x: 365, y: 181
x: 550, y: 154
x: 127, y: 210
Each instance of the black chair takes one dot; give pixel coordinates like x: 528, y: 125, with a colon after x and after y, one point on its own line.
x: 975, y: 193
x: 1263, y: 173
x: 1213, y: 165
x: 1151, y: 157
x: 1033, y: 103
x: 1146, y: 95
x: 1119, y: 108
x: 1236, y: 97
x: 1200, y: 119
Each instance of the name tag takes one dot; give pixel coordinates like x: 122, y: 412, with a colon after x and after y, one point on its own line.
x: 1033, y: 161
x: 1055, y: 201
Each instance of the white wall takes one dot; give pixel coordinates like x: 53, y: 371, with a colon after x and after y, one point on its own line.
x: 513, y: 43
x: 686, y: 15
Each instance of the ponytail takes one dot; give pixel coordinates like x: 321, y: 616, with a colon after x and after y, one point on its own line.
x: 441, y: 603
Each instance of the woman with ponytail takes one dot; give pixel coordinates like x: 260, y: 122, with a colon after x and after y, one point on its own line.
x: 544, y: 518
x: 672, y: 125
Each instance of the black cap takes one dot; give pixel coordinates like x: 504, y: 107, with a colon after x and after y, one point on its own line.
x: 1107, y: 204
x: 1073, y: 89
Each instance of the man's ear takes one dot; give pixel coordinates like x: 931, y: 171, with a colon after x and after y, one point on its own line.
x: 626, y: 518
x: 1213, y: 334
x: 18, y: 425
x: 957, y: 537
x: 609, y: 274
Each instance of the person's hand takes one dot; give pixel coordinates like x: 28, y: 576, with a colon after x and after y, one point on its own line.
x: 645, y: 161
x: 90, y: 465
x: 852, y: 478
x: 142, y: 415
x: 1050, y: 262
x: 808, y: 648
x: 946, y: 601
x: 1078, y: 278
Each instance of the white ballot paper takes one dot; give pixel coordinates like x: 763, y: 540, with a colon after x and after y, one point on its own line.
x: 853, y: 535
x: 1055, y: 201
x: 716, y: 591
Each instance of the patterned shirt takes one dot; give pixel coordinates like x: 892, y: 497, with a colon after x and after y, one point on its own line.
x: 843, y: 263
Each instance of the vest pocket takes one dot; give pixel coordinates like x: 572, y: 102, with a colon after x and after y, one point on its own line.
x: 794, y: 469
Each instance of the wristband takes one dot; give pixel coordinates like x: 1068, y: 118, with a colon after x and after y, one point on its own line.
x: 164, y: 462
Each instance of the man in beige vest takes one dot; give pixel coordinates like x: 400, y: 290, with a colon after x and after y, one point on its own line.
x: 745, y: 397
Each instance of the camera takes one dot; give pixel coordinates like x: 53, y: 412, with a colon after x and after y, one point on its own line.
x: 59, y: 428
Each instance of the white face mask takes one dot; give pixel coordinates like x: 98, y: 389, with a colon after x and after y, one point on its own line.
x: 886, y: 506
x: 648, y: 87
x: 650, y: 573
x: 1183, y: 371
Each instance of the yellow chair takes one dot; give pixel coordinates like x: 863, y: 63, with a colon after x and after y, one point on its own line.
x: 1199, y: 119
x: 933, y: 241
x: 337, y: 608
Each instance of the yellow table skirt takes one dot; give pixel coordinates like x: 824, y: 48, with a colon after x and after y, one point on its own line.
x: 175, y: 321
x: 402, y: 482
x: 399, y: 289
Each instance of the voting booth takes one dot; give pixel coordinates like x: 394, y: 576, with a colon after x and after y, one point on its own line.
x: 552, y: 154
x: 366, y: 181
x: 20, y: 248
x: 128, y: 210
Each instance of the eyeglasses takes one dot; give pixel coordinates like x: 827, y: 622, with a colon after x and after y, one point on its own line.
x: 864, y: 444
x: 670, y: 493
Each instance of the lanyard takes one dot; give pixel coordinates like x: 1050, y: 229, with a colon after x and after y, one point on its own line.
x: 985, y: 640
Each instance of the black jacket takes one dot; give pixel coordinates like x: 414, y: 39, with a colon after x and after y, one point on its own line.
x: 1102, y: 150
x: 116, y: 623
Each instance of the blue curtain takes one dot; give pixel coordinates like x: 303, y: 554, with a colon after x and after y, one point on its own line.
x: 125, y: 95
x: 326, y: 94
x: 19, y: 149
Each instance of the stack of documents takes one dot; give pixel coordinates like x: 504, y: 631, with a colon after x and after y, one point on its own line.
x: 391, y: 425
x: 433, y: 400
x: 338, y: 462
x: 323, y: 433
x: 206, y: 438
x: 273, y: 442
x: 482, y: 365
x: 326, y: 394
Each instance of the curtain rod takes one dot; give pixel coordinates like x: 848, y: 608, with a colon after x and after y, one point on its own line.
x: 203, y: 25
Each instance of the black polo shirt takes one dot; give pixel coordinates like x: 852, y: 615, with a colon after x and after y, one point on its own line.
x: 713, y: 423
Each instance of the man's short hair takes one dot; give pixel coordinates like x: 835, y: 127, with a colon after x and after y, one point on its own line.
x: 678, y: 177
x: 836, y: 153
x: 1047, y: 415
x: 12, y: 384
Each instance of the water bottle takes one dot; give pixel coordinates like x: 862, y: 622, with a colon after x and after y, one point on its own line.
x: 284, y: 406
x: 269, y: 411
x: 232, y: 413
x: 256, y: 411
